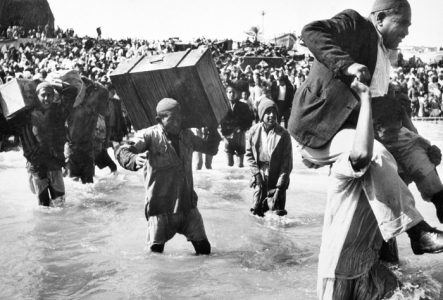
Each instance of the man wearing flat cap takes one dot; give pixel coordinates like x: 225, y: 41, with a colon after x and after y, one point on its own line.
x: 324, y: 117
x: 164, y: 151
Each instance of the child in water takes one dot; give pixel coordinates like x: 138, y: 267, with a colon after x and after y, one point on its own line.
x: 269, y: 155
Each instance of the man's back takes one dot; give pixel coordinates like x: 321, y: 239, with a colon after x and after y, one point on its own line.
x: 324, y: 102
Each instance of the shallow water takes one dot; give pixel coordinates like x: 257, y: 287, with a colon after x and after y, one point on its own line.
x: 94, y: 247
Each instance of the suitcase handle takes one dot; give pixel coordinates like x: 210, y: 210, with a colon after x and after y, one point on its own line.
x: 159, y: 59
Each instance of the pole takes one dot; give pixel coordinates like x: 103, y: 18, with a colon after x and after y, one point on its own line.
x: 263, y: 24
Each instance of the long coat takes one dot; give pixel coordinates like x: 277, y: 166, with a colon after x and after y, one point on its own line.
x: 324, y: 103
x: 280, y: 165
x: 168, y: 174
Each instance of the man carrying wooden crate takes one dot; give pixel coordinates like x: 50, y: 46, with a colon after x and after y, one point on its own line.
x: 165, y: 153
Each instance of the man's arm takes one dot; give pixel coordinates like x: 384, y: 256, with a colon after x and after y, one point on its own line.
x: 133, y: 157
x: 67, y: 93
x: 361, y: 152
x: 327, y: 39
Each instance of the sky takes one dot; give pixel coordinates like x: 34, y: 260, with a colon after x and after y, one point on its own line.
x: 188, y: 19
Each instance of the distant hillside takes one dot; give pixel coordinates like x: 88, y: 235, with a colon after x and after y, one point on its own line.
x: 26, y: 13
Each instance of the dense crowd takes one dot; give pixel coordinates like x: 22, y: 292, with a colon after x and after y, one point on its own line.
x: 96, y: 59
x: 424, y: 87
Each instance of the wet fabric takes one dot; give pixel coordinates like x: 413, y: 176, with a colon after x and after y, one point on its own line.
x: 82, y: 123
x: 117, y: 129
x: 53, y: 179
x: 410, y: 151
x: 162, y: 228
x: 235, y: 143
x: 349, y: 254
x: 168, y: 176
x: 80, y: 161
x: 378, y: 283
x: 390, y: 199
x: 269, y: 155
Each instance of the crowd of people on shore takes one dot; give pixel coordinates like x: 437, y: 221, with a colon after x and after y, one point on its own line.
x: 14, y: 32
x: 424, y: 86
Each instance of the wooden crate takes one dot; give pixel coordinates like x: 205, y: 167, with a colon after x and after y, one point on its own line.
x: 189, y: 76
x: 16, y: 96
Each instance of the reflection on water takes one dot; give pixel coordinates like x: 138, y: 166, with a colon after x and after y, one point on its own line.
x: 93, y: 248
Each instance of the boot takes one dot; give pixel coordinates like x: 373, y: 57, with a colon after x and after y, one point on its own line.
x: 230, y: 159
x: 202, y: 247
x: 44, y: 198
x: 208, y: 161
x: 158, y: 248
x: 389, y: 251
x: 240, y: 160
x: 425, y: 239
x: 437, y: 199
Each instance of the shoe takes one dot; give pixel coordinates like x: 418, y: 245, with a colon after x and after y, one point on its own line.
x: 280, y: 212
x: 425, y: 239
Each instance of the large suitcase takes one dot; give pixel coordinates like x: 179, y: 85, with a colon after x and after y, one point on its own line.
x: 17, y: 95
x: 189, y: 76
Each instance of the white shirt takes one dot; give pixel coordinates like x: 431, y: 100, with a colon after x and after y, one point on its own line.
x: 281, y: 93
x: 380, y: 79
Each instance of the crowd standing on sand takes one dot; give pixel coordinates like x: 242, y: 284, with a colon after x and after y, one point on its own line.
x: 345, y: 108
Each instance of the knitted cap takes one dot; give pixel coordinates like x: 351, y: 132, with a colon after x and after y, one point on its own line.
x: 167, y: 104
x: 265, y: 103
x: 388, y: 4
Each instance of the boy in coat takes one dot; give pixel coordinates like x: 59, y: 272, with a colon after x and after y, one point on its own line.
x: 269, y: 155
x: 234, y: 126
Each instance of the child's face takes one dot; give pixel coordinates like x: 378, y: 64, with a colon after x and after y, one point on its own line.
x: 172, y: 121
x: 270, y: 117
x: 46, y: 97
x: 244, y: 95
x: 231, y: 94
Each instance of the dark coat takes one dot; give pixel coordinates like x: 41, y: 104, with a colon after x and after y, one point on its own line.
x: 240, y: 117
x: 288, y: 97
x: 280, y: 166
x: 324, y: 103
x: 43, y: 133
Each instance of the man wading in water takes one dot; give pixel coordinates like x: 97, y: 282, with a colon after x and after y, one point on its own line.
x: 164, y: 151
